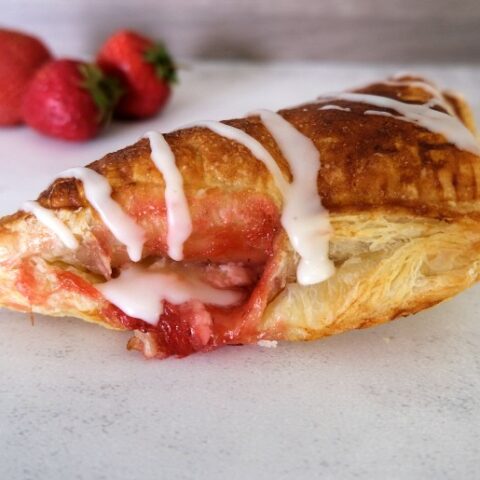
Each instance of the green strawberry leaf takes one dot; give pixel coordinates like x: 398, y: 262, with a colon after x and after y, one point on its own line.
x: 163, y: 63
x: 106, y: 91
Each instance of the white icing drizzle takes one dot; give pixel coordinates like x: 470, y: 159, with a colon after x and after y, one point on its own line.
x: 49, y: 220
x: 304, y: 219
x: 98, y: 193
x: 257, y: 149
x: 437, y: 97
x: 454, y: 131
x: 381, y: 114
x: 178, y: 214
x: 405, y: 79
x: 335, y: 107
x: 415, y: 83
x: 140, y: 292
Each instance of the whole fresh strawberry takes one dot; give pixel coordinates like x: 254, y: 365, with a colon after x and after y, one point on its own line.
x: 20, y: 57
x: 145, y: 70
x: 69, y: 99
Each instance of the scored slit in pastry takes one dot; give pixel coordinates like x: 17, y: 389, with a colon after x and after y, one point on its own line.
x: 338, y: 214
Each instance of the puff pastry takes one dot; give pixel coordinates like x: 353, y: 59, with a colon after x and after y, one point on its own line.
x: 404, y: 214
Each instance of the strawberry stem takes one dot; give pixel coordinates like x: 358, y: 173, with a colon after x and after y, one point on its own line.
x: 105, y: 90
x: 162, y: 61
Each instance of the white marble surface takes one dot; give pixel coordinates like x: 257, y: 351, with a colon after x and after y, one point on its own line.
x: 401, y: 401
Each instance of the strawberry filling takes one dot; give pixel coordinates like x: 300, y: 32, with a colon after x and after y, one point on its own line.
x: 194, y: 326
x: 235, y: 249
x: 185, y: 328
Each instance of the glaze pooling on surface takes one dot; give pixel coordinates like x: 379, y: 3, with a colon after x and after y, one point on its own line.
x: 141, y: 292
x: 98, y: 193
x: 178, y: 214
x: 50, y: 221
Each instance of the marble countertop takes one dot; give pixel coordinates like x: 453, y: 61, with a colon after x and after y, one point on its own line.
x: 400, y: 401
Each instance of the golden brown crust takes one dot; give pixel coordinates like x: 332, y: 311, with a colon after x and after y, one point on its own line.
x: 367, y: 162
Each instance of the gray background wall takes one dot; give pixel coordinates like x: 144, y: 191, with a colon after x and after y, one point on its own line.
x: 359, y: 30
